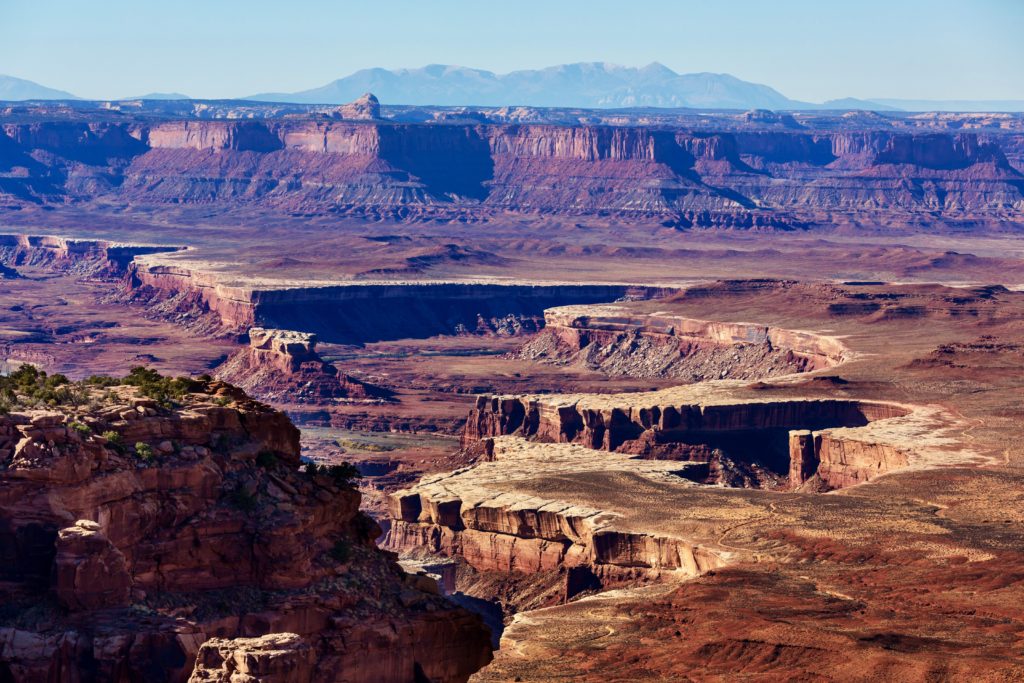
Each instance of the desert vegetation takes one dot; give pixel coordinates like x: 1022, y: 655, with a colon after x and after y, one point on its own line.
x: 29, y: 387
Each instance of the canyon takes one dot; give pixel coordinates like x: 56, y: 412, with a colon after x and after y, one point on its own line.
x: 653, y: 394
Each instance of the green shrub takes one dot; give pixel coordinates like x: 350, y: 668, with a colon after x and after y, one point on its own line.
x: 343, y: 475
x: 80, y: 427
x: 28, y: 387
x: 145, y: 452
x: 114, y: 440
x: 101, y: 381
x: 164, y: 390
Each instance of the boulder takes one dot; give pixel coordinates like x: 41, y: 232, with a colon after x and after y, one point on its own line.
x: 89, y: 572
x: 273, y: 658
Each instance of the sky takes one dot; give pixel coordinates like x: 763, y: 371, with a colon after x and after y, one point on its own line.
x: 808, y: 50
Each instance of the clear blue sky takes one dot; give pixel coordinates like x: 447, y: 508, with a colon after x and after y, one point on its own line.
x: 808, y: 49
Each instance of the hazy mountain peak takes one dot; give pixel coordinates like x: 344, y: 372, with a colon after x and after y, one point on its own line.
x: 657, y: 68
x: 580, y: 84
x: 159, y: 96
x: 13, y: 89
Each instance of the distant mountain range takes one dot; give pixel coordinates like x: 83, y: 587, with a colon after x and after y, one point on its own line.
x: 159, y: 96
x: 585, y: 85
x: 12, y: 88
x: 590, y: 85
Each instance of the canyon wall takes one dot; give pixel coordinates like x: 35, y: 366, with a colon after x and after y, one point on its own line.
x: 359, y: 313
x: 82, y: 256
x: 614, y: 340
x: 508, y: 512
x: 466, y: 514
x: 692, y: 177
x: 131, y: 533
x: 670, y: 430
x: 839, y: 461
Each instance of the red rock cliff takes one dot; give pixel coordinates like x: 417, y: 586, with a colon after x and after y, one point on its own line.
x: 703, y: 177
x: 131, y: 533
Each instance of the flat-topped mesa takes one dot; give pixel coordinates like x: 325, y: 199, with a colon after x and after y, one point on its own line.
x: 96, y: 258
x: 707, y: 425
x: 615, y: 340
x: 569, y: 484
x: 358, y: 312
x: 713, y: 176
x: 474, y: 513
x: 133, y: 532
x: 287, y: 348
x: 283, y: 365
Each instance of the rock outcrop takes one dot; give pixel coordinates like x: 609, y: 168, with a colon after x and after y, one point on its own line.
x: 617, y: 341
x: 470, y: 514
x: 98, y: 258
x: 90, y: 572
x: 132, y: 532
x: 366, y: 108
x: 283, y: 366
x: 571, y: 487
x: 771, y: 433
x: 273, y: 658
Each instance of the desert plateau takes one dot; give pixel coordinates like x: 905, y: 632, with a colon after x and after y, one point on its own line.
x: 587, y: 373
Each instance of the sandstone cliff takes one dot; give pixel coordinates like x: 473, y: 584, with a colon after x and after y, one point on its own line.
x: 706, y: 176
x: 657, y: 425
x: 283, y: 366
x: 352, y: 313
x: 79, y: 256
x: 470, y: 514
x: 617, y: 341
x: 134, y: 529
x: 555, y: 488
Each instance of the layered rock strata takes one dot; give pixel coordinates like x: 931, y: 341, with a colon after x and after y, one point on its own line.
x: 283, y: 365
x: 472, y: 514
x: 131, y: 533
x: 670, y: 423
x: 563, y: 482
x: 704, y: 175
x: 81, y: 256
x: 618, y: 341
x: 356, y: 312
